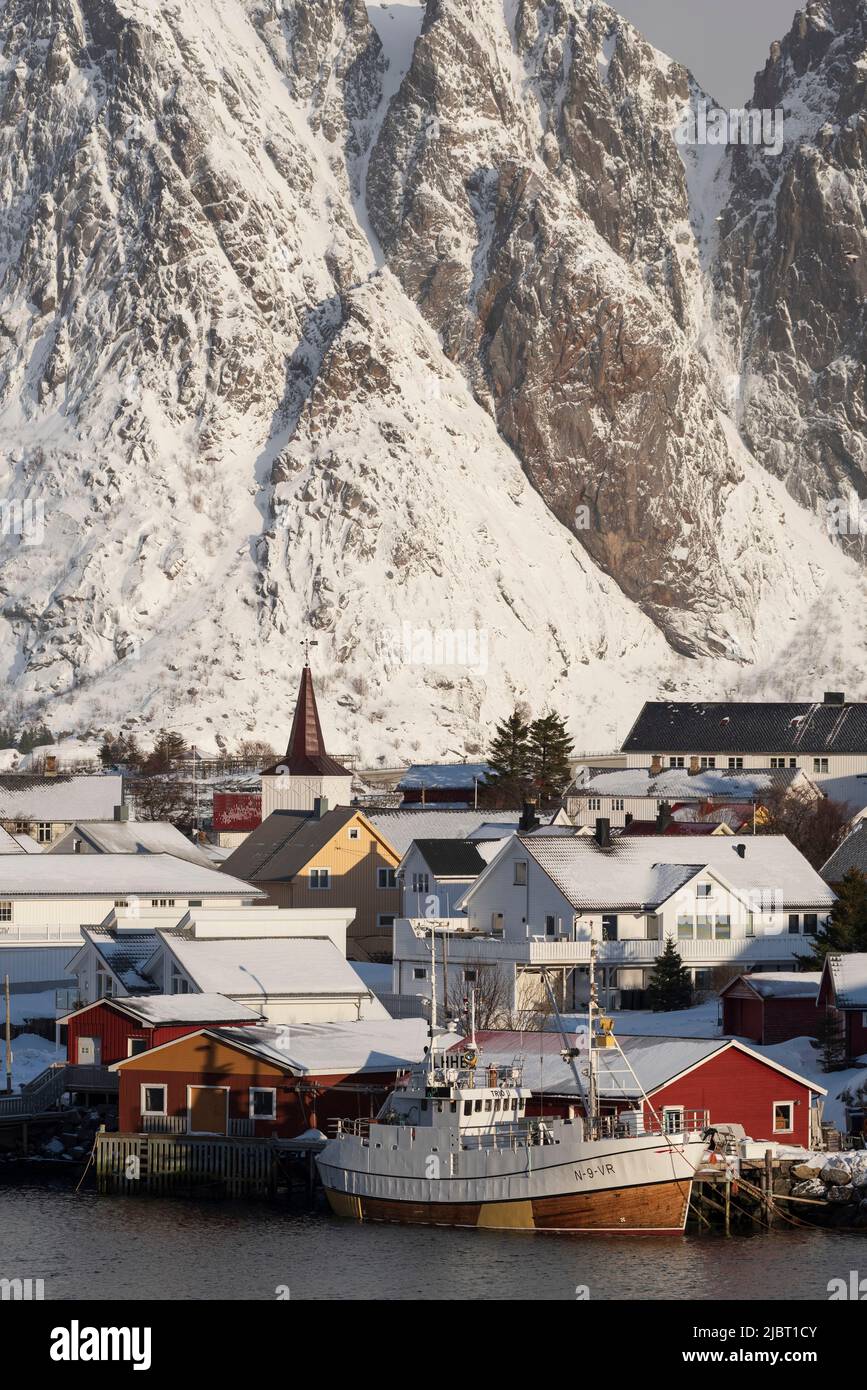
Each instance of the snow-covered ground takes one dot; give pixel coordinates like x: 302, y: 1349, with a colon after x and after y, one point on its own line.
x: 699, y: 1022
x: 30, y: 1055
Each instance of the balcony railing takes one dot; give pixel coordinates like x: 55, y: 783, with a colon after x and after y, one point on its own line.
x: 749, y: 948
x: 34, y: 933
x: 179, y: 1124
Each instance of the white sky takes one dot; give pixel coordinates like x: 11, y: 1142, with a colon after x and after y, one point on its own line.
x: 723, y: 44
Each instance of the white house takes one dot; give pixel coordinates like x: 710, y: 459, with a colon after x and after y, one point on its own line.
x: 123, y: 836
x: 45, y: 806
x: 544, y: 897
x: 46, y: 899
x: 435, y: 874
x: 637, y: 793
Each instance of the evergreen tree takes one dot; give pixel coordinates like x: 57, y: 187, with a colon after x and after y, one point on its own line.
x: 549, y: 754
x: 8, y: 736
x: 831, y: 1041
x: 846, y: 927
x: 670, y: 986
x: 508, y: 781
x: 168, y: 748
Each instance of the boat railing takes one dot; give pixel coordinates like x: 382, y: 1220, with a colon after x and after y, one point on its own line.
x: 358, y: 1128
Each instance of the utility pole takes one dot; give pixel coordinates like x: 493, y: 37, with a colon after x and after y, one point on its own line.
x: 8, y: 1037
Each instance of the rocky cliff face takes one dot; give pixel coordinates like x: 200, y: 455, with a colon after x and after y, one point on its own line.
x: 791, y: 270
x: 381, y: 320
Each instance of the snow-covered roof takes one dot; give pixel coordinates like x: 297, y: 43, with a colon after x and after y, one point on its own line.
x: 256, y: 968
x: 401, y: 825
x: 132, y: 837
x: 323, y: 1048
x: 9, y: 843
x: 627, y: 872
x: 118, y: 875
x: 164, y: 1009
x: 125, y: 953
x: 741, y: 726
x: 851, y: 854
x: 26, y: 843
x: 849, y: 974
x: 677, y: 784
x: 64, y: 797
x: 783, y: 984
x: 655, y: 1061
x: 443, y: 776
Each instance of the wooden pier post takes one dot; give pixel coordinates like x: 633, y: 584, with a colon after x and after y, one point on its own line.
x: 769, y: 1186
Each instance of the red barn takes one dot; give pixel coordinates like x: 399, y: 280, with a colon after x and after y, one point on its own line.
x: 844, y: 988
x: 112, y: 1029
x: 711, y: 1081
x: 266, y: 1081
x: 773, y: 1007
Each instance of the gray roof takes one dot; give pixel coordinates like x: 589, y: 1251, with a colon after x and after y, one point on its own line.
x: 64, y: 797
x: 279, y: 848
x: 851, y: 854
x: 386, y: 1044
x: 849, y: 974
x: 131, y: 837
x: 630, y: 872
x: 742, y: 727
x: 402, y: 825
x: 676, y: 784
x: 257, y: 967
x: 451, y: 858
x: 125, y: 953
x: 439, y: 776
x: 114, y: 875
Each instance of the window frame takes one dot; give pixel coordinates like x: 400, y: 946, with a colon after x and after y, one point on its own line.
x: 521, y: 873
x: 314, y: 876
x: 153, y: 1086
x: 263, y: 1091
x: 386, y: 874
x: 778, y: 1105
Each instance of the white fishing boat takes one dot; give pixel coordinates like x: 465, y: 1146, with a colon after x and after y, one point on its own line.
x: 453, y: 1145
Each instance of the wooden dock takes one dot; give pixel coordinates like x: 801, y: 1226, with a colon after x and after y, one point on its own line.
x: 203, y: 1165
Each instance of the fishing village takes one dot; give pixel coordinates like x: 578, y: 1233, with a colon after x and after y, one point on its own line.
x: 617, y: 993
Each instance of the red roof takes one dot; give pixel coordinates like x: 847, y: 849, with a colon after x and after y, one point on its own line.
x: 305, y: 754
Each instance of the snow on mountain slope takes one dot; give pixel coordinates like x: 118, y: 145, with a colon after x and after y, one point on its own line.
x: 242, y: 427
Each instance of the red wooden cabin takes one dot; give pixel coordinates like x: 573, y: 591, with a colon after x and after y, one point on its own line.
x: 771, y: 1008
x: 111, y: 1029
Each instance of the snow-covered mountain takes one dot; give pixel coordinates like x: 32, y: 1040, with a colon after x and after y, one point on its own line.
x: 373, y: 322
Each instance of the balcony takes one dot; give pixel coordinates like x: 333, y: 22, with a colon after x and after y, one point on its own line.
x: 740, y: 949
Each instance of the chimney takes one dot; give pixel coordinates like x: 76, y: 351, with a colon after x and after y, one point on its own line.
x: 603, y: 832
x: 320, y: 807
x: 529, y: 820
x: 51, y: 765
x: 663, y: 817
x: 629, y: 818
x: 740, y: 850
x: 835, y: 697
x: 121, y: 812
x: 655, y: 765
x: 693, y: 766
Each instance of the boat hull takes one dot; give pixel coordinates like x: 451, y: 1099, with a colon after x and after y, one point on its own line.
x: 655, y: 1208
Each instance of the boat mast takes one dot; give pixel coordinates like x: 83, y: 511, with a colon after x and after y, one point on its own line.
x: 473, y: 1016
x: 433, y: 999
x: 593, y: 1072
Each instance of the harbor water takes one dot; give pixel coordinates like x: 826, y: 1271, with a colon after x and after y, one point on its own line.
x: 88, y: 1247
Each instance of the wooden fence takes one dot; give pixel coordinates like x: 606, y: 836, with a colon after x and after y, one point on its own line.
x: 180, y: 1165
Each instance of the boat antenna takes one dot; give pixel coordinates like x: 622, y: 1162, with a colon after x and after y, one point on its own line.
x: 473, y: 1016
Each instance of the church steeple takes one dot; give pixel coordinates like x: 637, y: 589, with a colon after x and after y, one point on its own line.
x: 306, y: 755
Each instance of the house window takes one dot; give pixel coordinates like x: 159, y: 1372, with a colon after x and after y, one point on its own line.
x: 707, y: 763
x: 594, y: 803
x: 652, y: 927
x: 320, y: 879
x: 194, y: 902
x: 794, y: 924
x: 5, y: 912
x: 386, y: 878
x: 820, y: 764
x: 22, y: 827
x: 179, y: 982
x: 684, y: 928
x: 420, y: 883
x: 784, y: 1116
x: 793, y: 762
x: 385, y: 921
x: 617, y: 803
x: 723, y: 928
x: 703, y: 928
x: 521, y: 873
x: 609, y: 927
x: 677, y: 762
x: 43, y: 832
x: 162, y: 902
x: 811, y: 923
x: 550, y: 925
x: 121, y: 902
x: 136, y: 1045
x: 153, y: 1100
x: 419, y: 972
x: 354, y: 832
x: 470, y: 977
x: 736, y: 762
x: 104, y: 984
x: 704, y: 890
x: 672, y: 1119
x: 778, y: 762
x: 263, y: 1103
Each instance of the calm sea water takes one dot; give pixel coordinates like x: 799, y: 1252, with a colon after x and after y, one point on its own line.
x: 89, y: 1247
